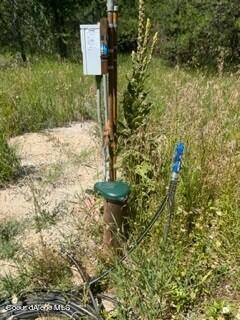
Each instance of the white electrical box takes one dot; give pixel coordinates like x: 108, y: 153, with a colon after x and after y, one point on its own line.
x: 91, y: 49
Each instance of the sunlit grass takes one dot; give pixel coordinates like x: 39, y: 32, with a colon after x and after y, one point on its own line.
x: 196, y: 107
x: 200, y: 109
x: 43, y: 94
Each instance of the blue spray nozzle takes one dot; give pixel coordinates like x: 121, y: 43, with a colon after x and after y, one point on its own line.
x: 177, y: 161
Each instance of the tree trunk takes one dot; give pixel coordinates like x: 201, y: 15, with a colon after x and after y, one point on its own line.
x: 59, y: 25
x: 17, y: 31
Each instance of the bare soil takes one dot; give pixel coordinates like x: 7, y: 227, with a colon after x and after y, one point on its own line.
x: 59, y: 165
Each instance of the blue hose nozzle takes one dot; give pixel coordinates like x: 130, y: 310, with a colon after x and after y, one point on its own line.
x: 177, y: 161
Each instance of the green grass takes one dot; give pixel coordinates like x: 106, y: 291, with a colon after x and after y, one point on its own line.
x: 199, y: 271
x: 43, y: 94
x: 202, y: 110
x: 9, y: 163
x: 8, y: 244
x: 12, y: 285
x: 42, y: 268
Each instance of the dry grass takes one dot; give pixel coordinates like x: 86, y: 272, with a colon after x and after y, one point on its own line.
x: 202, y: 110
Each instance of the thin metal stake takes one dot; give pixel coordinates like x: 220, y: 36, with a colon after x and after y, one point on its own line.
x: 106, y: 154
x: 99, y: 98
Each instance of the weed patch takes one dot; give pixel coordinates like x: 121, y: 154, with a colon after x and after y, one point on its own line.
x: 8, y: 233
x: 47, y: 268
x: 9, y: 163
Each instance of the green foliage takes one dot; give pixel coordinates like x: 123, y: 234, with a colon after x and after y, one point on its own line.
x: 25, y: 27
x: 44, y: 219
x: 10, y: 285
x: 63, y: 21
x: 195, y: 32
x: 127, y: 35
x: 9, y: 163
x: 45, y: 94
x: 47, y: 268
x: 136, y: 108
x: 136, y: 164
x: 43, y: 268
x: 46, y: 26
x: 199, y: 32
x: 199, y: 263
x: 168, y: 281
x: 128, y: 26
x: 8, y: 244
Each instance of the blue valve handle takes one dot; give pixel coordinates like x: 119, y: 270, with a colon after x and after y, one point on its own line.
x: 177, y: 161
x: 104, y: 50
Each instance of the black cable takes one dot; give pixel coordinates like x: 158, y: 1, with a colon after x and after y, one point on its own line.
x: 171, y: 208
x: 23, y: 311
x: 85, y: 279
x: 138, y: 241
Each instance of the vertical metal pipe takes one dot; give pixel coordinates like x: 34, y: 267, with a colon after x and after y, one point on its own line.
x: 113, y: 212
x: 115, y: 222
x: 110, y: 8
x: 101, y: 120
x: 115, y: 84
x: 99, y: 98
x: 106, y: 146
x: 105, y: 96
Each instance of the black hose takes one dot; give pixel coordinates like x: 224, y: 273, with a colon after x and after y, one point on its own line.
x: 85, y: 278
x: 138, y: 241
x: 45, y: 305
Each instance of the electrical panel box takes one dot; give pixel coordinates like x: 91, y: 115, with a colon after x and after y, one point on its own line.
x: 91, y: 49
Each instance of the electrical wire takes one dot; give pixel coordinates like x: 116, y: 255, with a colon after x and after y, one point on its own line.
x: 137, y: 243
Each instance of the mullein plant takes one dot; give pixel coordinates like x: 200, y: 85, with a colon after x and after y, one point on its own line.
x: 135, y: 145
x: 136, y: 108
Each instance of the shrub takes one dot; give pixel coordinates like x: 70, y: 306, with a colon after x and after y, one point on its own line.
x: 8, y: 244
x: 127, y: 35
x: 9, y: 163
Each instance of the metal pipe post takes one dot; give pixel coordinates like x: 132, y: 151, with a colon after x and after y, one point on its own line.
x: 112, y: 147
x: 115, y: 84
x: 99, y: 101
x: 114, y: 212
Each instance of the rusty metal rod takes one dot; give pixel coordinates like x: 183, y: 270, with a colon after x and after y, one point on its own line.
x: 112, y: 90
x: 115, y: 84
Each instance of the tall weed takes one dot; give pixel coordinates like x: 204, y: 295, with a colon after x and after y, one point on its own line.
x: 9, y: 163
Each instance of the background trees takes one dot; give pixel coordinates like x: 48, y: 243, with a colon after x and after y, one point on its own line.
x: 24, y: 27
x: 191, y: 31
x: 199, y: 31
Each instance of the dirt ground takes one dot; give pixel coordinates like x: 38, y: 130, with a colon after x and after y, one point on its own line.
x: 59, y: 165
